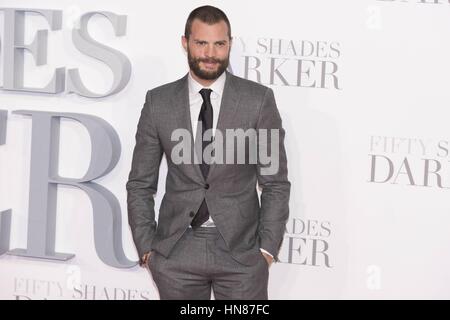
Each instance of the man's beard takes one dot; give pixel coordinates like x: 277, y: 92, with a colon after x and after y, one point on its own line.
x: 194, y: 65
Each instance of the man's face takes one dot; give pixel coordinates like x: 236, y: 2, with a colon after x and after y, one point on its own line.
x: 208, y: 49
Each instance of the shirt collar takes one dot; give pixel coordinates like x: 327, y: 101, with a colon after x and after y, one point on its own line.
x: 216, y: 87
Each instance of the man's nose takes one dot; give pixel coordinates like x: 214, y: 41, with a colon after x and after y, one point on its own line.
x: 210, y: 51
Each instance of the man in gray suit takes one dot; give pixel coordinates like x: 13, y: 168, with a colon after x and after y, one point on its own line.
x: 212, y: 233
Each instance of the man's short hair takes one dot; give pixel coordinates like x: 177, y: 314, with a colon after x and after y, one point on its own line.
x: 206, y: 14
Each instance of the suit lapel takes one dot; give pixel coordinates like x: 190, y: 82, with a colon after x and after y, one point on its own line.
x: 228, y: 107
x: 181, y: 102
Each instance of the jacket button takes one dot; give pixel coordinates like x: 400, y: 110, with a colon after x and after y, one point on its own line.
x: 192, y: 213
x: 207, y: 186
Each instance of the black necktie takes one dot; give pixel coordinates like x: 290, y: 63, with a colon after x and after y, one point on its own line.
x: 205, y: 119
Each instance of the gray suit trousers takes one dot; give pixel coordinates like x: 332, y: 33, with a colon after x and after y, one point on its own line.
x: 200, y: 262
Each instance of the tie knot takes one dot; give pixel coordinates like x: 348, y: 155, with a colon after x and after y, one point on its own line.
x: 205, y: 93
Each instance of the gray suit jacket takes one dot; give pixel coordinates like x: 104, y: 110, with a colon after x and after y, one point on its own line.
x: 230, y: 189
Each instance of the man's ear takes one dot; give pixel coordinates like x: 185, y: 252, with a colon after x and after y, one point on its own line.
x: 184, y: 42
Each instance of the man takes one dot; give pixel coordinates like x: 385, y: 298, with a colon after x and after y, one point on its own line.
x: 212, y: 233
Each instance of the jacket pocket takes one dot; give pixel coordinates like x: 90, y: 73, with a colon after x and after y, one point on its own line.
x: 249, y: 208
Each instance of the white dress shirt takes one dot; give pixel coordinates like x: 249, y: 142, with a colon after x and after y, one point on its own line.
x: 195, y: 104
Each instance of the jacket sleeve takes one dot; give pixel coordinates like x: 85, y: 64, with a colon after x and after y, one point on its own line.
x: 143, y: 180
x: 272, y: 176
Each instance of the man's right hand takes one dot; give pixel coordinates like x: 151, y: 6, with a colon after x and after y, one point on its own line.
x: 144, y: 259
